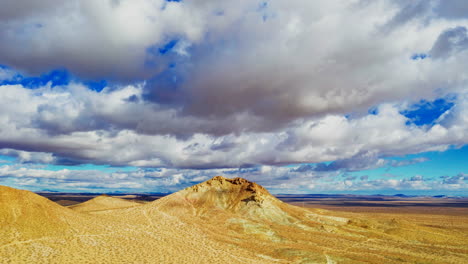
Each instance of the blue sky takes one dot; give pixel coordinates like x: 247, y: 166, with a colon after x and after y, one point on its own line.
x: 156, y: 95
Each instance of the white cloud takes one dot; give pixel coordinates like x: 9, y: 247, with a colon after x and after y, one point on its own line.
x: 92, y: 38
x: 29, y: 157
x: 82, y: 126
x: 277, y: 180
x: 6, y: 74
x: 245, y: 84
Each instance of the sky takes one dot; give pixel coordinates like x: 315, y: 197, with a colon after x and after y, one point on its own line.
x: 355, y: 97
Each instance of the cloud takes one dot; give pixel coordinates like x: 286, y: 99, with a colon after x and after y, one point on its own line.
x: 228, y: 85
x: 6, y: 74
x: 451, y: 41
x: 459, y: 179
x: 452, y: 10
x: 29, y: 157
x: 408, y: 12
x: 359, y: 162
x: 276, y: 179
x: 77, y: 125
x: 401, y: 163
x: 110, y: 32
x: 416, y: 178
x: 229, y: 63
x: 24, y: 8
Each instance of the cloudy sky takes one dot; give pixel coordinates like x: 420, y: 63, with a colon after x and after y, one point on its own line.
x: 302, y: 96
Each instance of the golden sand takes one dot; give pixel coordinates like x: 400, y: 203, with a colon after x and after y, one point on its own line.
x: 103, y: 203
x: 219, y: 221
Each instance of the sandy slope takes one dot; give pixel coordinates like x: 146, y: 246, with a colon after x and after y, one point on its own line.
x: 102, y: 203
x: 218, y: 221
x: 36, y: 230
x: 242, y: 213
x: 25, y: 215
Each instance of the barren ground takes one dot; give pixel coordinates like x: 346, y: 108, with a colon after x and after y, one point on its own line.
x: 185, y: 228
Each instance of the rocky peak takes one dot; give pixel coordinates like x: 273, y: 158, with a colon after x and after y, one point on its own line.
x: 227, y: 184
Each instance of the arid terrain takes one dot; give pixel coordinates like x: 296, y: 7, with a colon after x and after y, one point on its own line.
x: 230, y: 221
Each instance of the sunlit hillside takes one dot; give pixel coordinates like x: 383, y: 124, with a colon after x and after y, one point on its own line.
x: 218, y: 221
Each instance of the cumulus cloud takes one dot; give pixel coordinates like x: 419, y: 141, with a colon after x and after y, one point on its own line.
x: 29, y: 157
x: 105, y: 39
x: 77, y: 125
x: 259, y: 65
x: 209, y: 84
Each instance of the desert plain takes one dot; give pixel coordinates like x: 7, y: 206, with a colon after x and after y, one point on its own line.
x: 230, y: 221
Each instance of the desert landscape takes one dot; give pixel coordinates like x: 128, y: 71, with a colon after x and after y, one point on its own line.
x: 223, y: 220
x: 201, y: 131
